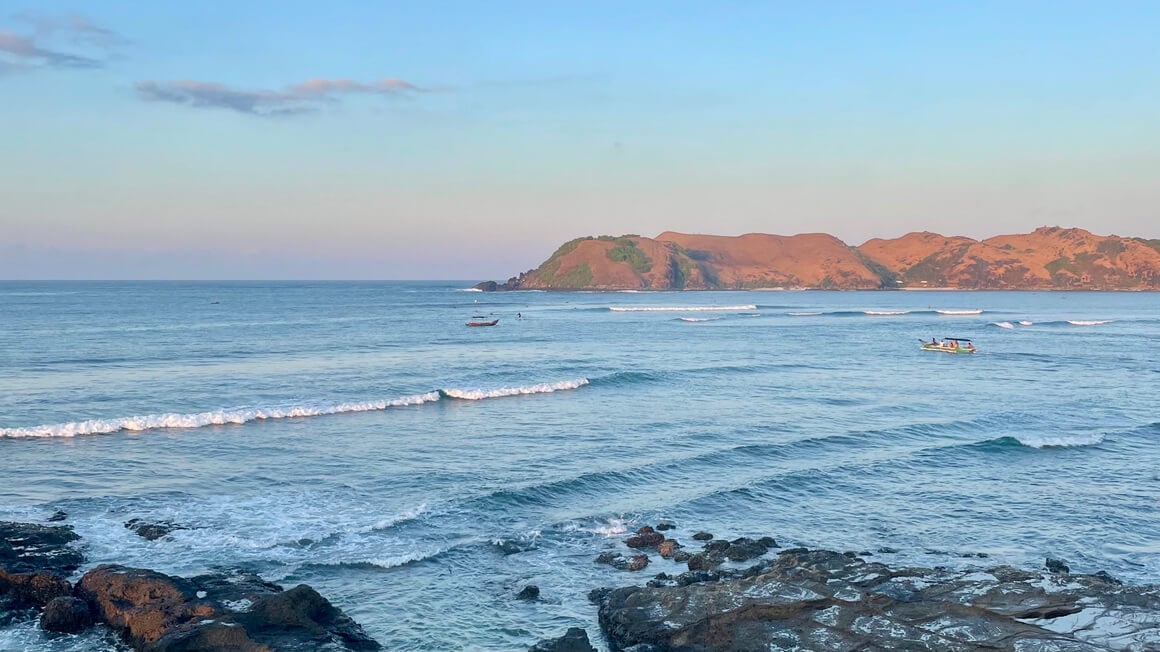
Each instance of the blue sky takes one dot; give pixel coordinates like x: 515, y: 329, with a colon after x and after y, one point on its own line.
x: 467, y: 140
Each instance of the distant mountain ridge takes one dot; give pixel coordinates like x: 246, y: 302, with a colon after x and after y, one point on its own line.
x: 1049, y: 258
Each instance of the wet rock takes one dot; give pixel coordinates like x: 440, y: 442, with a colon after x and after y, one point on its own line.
x: 596, y: 596
x: 1104, y: 577
x: 638, y: 562
x: 152, y: 531
x: 1056, y: 566
x: 34, y: 560
x: 57, y: 516
x: 529, y: 592
x: 645, y: 537
x: 717, y: 545
x: 885, y: 550
x: 575, y: 640
x: 28, y: 547
x: 614, y: 559
x: 664, y: 526
x: 822, y: 600
x: 702, y: 536
x: 701, y: 562
x: 668, y: 547
x: 30, y: 590
x: 744, y: 549
x: 681, y: 556
x: 486, y: 286
x: 66, y: 614
x: 237, y: 612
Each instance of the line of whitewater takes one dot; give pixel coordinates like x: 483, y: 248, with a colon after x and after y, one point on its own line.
x: 680, y: 308
x: 242, y: 415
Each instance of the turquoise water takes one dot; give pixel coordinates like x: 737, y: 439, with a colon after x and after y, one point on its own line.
x: 359, y: 438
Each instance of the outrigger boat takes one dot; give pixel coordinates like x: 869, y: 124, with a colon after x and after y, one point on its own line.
x: 949, y: 345
x: 480, y: 320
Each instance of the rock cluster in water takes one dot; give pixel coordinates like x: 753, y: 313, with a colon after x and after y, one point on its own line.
x: 803, y: 599
x: 238, y: 612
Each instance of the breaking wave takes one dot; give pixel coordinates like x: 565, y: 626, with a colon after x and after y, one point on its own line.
x: 885, y: 313
x: 960, y: 312
x: 680, y: 308
x: 542, y: 388
x: 238, y: 416
x: 1088, y: 322
x: 1003, y: 324
x: 698, y: 319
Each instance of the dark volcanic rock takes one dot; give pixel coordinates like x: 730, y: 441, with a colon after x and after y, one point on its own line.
x: 645, y: 537
x: 744, y: 549
x: 27, y: 547
x: 57, y: 516
x: 702, y: 536
x: 664, y: 526
x: 575, y: 640
x: 821, y: 600
x: 486, y: 286
x: 66, y: 614
x: 529, y: 592
x: 152, y: 531
x: 668, y: 547
x: 34, y: 560
x: 240, y: 613
x: 1056, y: 566
x: 638, y: 562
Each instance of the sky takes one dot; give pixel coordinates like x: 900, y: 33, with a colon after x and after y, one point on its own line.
x: 467, y: 140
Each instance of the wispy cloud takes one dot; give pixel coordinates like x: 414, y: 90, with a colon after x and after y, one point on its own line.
x: 56, y: 42
x: 294, y: 99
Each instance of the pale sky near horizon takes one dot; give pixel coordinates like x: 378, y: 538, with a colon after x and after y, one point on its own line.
x: 466, y: 140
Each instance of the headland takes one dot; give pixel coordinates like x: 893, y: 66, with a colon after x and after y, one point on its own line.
x: 1049, y: 258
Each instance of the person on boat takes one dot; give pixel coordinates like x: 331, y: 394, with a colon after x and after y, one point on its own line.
x: 970, y: 347
x: 933, y: 342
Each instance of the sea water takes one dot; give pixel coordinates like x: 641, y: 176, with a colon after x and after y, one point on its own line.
x: 358, y: 437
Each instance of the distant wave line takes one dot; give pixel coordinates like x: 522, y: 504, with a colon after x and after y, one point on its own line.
x: 239, y: 416
x: 680, y: 308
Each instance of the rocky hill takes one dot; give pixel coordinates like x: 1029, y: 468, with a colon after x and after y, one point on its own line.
x: 1048, y: 258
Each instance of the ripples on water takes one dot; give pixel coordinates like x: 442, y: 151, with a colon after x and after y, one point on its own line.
x: 358, y: 438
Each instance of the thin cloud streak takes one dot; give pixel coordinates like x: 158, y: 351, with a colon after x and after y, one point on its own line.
x: 29, y: 52
x: 303, y: 97
x: 26, y: 49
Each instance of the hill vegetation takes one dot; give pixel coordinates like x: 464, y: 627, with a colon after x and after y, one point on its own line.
x: 1047, y: 258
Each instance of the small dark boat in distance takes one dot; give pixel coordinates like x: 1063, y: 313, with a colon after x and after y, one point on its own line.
x: 480, y: 320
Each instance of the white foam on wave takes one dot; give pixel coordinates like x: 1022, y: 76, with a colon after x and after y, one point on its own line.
x: 401, y: 517
x: 680, y: 308
x: 1061, y: 441
x: 885, y: 313
x: 237, y: 416
x: 960, y: 312
x: 1025, y: 323
x: 803, y: 314
x: 1088, y: 322
x: 697, y: 319
x: 542, y: 388
x: 1004, y: 324
x: 212, y: 418
x: 470, y: 290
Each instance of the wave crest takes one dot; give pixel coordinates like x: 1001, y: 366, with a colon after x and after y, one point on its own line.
x: 237, y: 416
x: 680, y: 308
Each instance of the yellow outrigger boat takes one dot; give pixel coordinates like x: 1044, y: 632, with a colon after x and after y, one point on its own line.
x: 949, y: 345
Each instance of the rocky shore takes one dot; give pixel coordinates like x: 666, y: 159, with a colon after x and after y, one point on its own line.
x: 238, y: 612
x: 734, y: 595
x: 747, y: 595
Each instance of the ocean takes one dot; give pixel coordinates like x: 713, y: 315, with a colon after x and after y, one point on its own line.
x: 358, y: 437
